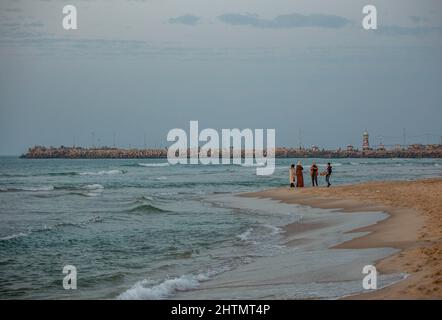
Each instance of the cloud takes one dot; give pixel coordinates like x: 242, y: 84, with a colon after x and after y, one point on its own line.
x: 293, y: 20
x: 187, y: 19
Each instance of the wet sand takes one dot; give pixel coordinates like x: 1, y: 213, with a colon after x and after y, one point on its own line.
x: 414, y: 227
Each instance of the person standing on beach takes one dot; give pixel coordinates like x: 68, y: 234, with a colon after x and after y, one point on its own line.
x: 314, y: 174
x: 292, y: 176
x: 299, y: 175
x: 328, y: 173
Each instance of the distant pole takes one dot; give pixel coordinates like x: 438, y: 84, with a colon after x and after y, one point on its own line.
x: 93, y: 139
x: 404, y: 136
x: 145, y: 140
x: 73, y: 141
x: 300, y: 139
x: 113, y: 138
x: 427, y: 136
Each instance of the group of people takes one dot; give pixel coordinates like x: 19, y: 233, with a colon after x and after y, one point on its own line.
x: 296, y: 175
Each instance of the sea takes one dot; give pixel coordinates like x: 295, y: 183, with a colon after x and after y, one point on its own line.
x: 144, y: 229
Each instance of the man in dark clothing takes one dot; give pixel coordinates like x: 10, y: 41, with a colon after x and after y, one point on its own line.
x: 314, y: 174
x: 328, y: 173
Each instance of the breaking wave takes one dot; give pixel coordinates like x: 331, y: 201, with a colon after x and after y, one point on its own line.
x: 162, y: 164
x: 94, y: 190
x: 26, y: 189
x: 245, y: 235
x: 147, y: 208
x: 13, y: 236
x: 142, y: 291
x: 95, y: 186
x: 101, y: 173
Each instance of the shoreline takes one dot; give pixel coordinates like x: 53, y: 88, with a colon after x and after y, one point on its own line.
x: 293, y: 260
x: 413, y: 226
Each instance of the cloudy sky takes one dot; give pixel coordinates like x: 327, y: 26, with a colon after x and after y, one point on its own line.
x: 137, y: 69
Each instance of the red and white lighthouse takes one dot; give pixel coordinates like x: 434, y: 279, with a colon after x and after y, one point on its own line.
x: 365, y: 142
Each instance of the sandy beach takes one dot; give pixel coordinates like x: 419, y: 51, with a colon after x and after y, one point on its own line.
x: 414, y: 227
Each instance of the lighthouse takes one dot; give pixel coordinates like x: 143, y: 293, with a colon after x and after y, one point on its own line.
x: 365, y: 143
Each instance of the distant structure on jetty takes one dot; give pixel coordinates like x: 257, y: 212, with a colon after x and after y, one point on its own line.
x: 412, y: 151
x: 380, y: 151
x: 41, y: 152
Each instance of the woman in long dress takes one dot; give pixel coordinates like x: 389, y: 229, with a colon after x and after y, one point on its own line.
x: 292, y: 175
x: 299, y: 175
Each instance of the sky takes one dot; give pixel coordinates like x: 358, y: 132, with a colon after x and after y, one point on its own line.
x: 136, y: 69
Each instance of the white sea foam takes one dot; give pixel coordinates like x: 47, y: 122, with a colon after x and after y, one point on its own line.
x: 143, y: 291
x: 147, y: 289
x: 32, y: 189
x: 101, y: 173
x: 245, y: 235
x: 95, y: 190
x: 273, y: 229
x: 167, y: 194
x: 44, y: 188
x: 13, y: 236
x: 163, y: 164
x: 95, y: 186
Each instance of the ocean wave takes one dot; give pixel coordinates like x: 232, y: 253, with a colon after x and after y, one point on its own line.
x: 45, y: 228
x: 13, y: 236
x: 18, y: 175
x: 148, y: 290
x: 245, y: 235
x: 94, y: 186
x: 67, y: 173
x: 56, y: 174
x: 166, y: 195
x: 101, y: 173
x: 273, y: 229
x: 91, y: 194
x: 94, y: 190
x: 142, y: 291
x: 162, y: 164
x: 95, y: 219
x: 147, y: 208
x: 26, y: 189
x: 338, y: 164
x: 142, y: 199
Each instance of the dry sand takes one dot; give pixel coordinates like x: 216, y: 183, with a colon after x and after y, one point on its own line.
x: 414, y: 226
